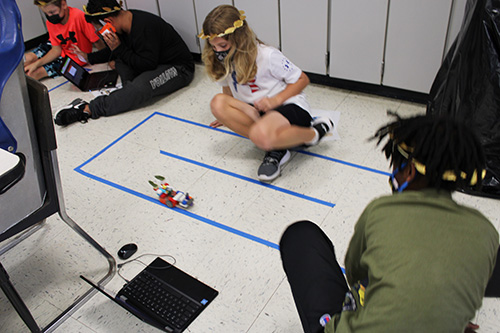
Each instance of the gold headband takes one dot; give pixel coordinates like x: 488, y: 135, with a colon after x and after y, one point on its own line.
x: 106, y: 10
x: 237, y: 24
x: 448, y: 175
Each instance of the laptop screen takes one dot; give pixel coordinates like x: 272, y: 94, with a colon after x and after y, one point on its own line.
x: 73, y: 72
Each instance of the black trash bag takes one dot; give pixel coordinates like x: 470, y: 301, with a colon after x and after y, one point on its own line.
x: 467, y: 86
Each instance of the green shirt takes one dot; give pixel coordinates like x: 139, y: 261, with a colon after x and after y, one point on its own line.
x: 427, y: 260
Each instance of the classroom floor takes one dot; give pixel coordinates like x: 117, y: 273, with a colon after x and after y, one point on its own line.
x: 229, y: 238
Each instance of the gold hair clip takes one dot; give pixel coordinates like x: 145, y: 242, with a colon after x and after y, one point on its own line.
x: 450, y: 175
x: 106, y: 10
x: 237, y: 24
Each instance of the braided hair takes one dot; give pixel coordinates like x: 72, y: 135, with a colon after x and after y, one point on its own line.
x: 448, y: 152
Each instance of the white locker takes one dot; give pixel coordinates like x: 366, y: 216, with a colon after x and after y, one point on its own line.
x: 263, y: 18
x: 357, y: 37
x: 145, y: 5
x: 203, y: 7
x: 304, y: 33
x: 456, y: 18
x: 33, y: 20
x: 77, y: 3
x: 416, y: 34
x: 180, y: 14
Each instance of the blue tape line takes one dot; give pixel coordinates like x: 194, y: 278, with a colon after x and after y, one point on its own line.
x: 180, y: 210
x: 250, y: 180
x: 62, y: 84
x: 345, y: 163
x: 298, y: 151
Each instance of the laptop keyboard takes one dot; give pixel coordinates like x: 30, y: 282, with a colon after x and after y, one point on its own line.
x: 146, y: 291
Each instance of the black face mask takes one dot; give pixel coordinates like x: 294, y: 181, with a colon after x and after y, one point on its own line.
x: 54, y: 19
x: 221, y: 55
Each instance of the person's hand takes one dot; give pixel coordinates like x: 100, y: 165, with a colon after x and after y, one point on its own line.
x: 471, y: 328
x: 112, y: 40
x: 30, y: 69
x: 216, y: 124
x: 265, y: 104
x: 112, y: 64
x: 79, y: 53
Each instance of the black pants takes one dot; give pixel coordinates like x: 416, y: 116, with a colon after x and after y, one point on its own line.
x: 316, y: 279
x: 138, y: 89
x: 317, y: 282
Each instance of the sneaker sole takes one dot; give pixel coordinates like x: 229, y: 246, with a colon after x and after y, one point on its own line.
x: 275, y: 175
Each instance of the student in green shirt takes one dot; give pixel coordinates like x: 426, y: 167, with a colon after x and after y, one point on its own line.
x: 417, y: 261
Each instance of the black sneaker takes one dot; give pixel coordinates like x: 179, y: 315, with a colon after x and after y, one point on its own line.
x: 72, y: 113
x: 322, y: 125
x: 271, y: 166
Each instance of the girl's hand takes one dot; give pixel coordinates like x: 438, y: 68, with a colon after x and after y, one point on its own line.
x: 216, y: 124
x: 266, y: 104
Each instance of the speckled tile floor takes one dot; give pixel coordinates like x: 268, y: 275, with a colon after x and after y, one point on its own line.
x: 229, y: 237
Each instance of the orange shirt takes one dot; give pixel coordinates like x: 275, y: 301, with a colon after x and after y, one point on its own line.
x: 75, y: 31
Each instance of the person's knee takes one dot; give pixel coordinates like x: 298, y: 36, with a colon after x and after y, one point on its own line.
x: 260, y: 138
x: 297, y: 233
x: 218, y: 104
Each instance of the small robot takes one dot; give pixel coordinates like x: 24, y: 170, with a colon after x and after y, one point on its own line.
x: 169, y: 197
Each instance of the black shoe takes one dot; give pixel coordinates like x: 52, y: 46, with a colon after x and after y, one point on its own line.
x: 322, y: 125
x: 271, y: 166
x: 72, y: 113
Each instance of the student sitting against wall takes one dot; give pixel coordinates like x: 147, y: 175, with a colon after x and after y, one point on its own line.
x: 67, y: 29
x: 418, y: 261
x: 148, y: 54
x: 262, y: 97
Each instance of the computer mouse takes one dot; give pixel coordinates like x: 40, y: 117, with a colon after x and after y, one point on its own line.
x: 127, y: 251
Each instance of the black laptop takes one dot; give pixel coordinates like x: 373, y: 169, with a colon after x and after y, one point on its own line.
x: 84, y: 80
x: 163, y: 296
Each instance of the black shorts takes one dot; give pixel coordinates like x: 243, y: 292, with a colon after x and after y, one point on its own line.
x: 295, y: 114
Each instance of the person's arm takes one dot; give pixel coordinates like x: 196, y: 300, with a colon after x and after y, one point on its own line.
x: 269, y: 103
x: 52, y: 55
x: 357, y: 246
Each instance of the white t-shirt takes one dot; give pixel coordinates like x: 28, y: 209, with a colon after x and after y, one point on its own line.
x: 274, y: 72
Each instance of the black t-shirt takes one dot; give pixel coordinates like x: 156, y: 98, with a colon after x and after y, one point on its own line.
x: 151, y: 42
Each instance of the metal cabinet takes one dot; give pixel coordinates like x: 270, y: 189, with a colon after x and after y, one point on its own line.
x: 150, y: 6
x: 304, y: 33
x: 33, y: 23
x: 263, y: 18
x: 180, y: 14
x: 357, y: 34
x: 416, y: 34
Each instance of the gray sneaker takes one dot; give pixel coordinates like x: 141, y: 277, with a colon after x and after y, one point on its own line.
x: 271, y: 166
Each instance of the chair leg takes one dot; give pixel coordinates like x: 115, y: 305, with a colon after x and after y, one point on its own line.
x: 16, y: 301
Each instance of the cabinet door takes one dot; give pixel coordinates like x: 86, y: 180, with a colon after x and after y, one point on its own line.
x: 357, y: 37
x: 180, y: 14
x: 78, y: 3
x: 416, y: 34
x: 33, y: 21
x: 456, y: 18
x: 145, y: 5
x: 304, y: 33
x: 263, y: 18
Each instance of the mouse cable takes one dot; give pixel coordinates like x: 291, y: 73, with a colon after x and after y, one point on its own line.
x: 119, y: 266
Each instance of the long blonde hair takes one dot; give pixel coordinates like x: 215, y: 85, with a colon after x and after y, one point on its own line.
x: 243, y: 53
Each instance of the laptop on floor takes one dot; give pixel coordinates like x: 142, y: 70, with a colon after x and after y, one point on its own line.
x: 84, y: 80
x: 163, y: 296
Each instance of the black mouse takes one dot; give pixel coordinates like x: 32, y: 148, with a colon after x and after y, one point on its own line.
x: 127, y: 251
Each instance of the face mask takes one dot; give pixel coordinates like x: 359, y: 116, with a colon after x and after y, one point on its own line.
x: 393, y: 182
x: 54, y: 19
x: 221, y: 55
